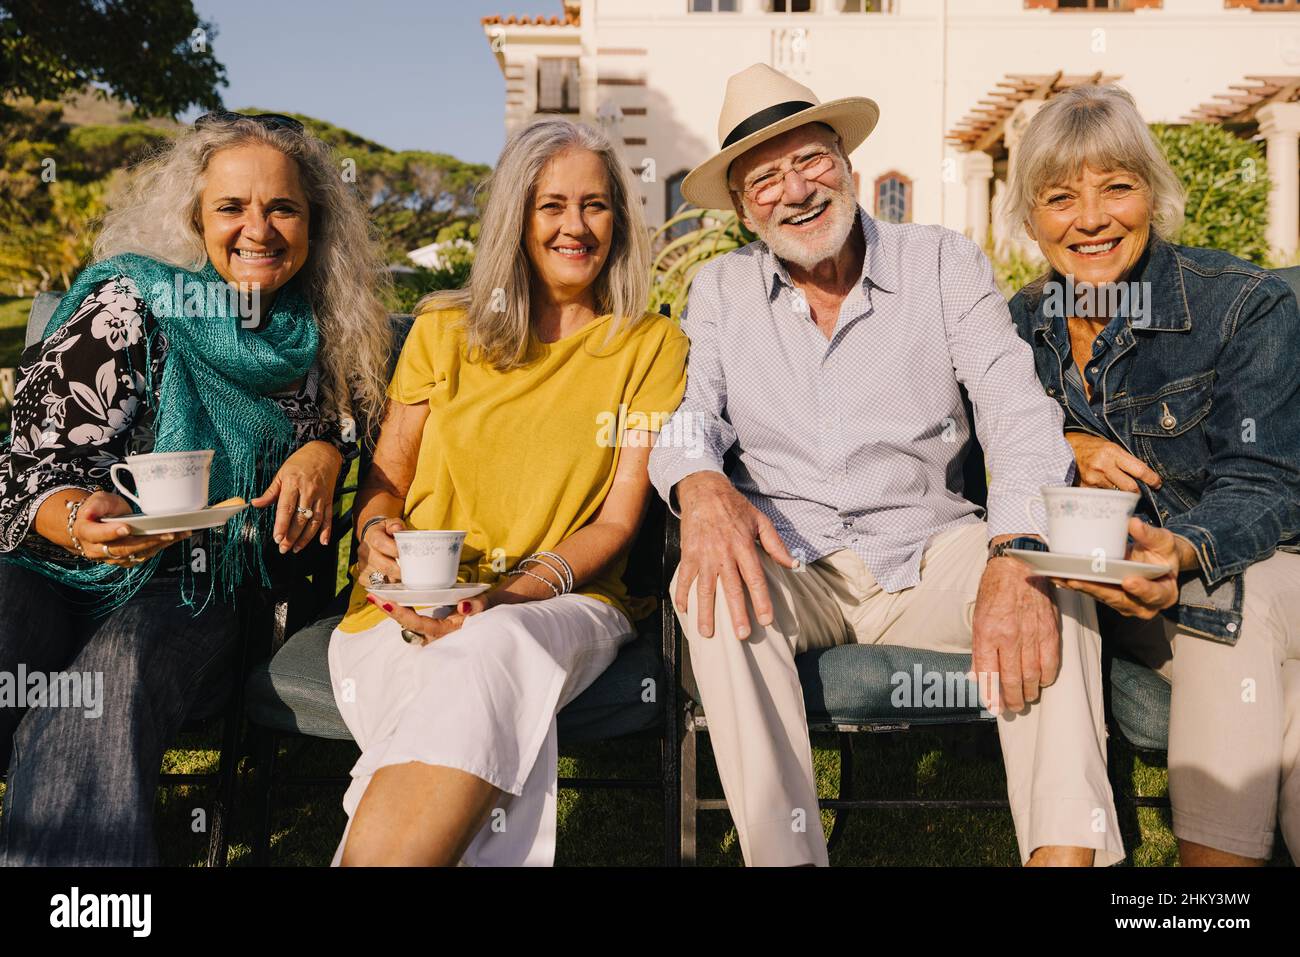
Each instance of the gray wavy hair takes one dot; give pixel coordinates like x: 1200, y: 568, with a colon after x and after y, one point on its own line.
x: 343, y: 278
x: 496, y: 300
x: 1098, y: 126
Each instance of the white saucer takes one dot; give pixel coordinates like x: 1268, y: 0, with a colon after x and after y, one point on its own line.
x: 1080, y: 567
x: 414, y: 595
x: 175, y: 521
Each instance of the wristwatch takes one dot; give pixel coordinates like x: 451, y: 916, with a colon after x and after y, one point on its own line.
x: 1020, y: 541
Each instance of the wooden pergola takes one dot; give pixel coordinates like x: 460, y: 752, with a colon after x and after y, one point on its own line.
x: 984, y: 126
x: 1238, y: 108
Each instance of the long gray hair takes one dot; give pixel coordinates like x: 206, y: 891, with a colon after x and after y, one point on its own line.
x: 1097, y: 125
x: 344, y: 276
x: 496, y: 300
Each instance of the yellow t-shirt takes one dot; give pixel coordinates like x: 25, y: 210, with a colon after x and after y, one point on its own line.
x: 523, y: 459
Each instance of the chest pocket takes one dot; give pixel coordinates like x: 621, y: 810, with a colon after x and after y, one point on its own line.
x: 1167, y: 427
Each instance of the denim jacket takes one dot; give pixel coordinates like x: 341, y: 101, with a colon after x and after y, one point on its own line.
x: 1210, y: 400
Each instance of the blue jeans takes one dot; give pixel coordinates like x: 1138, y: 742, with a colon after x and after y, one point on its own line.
x: 81, y: 785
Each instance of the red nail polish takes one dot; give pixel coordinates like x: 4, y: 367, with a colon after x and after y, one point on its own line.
x: 371, y: 599
x: 388, y: 607
x: 464, y: 608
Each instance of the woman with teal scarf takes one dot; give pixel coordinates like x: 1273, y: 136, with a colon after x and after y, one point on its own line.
x: 233, y: 306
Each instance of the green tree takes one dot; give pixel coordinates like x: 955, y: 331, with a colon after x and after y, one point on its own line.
x: 1227, y: 188
x: 154, y: 54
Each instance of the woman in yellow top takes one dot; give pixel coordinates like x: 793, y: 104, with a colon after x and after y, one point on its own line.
x: 522, y: 411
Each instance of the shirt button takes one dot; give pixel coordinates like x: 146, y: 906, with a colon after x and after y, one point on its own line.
x: 1232, y: 626
x: 847, y: 523
x: 1092, y: 369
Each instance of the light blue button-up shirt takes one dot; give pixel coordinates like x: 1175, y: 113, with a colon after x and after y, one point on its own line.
x: 857, y: 441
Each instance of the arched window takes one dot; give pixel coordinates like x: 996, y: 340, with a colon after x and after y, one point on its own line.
x: 673, y: 202
x: 893, y: 198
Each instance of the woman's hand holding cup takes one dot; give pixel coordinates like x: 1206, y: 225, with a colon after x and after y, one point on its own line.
x: 377, y: 550
x: 113, y: 544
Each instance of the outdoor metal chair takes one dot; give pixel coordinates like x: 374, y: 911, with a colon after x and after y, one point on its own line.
x: 290, y: 695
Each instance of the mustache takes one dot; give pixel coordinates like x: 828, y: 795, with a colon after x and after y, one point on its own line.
x: 785, y: 211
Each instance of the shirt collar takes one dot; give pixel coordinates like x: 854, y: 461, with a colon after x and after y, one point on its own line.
x: 879, y: 265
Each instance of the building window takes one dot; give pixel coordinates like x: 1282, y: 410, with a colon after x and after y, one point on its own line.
x: 712, y: 6
x: 1115, y: 5
x: 1263, y: 4
x: 557, y: 85
x: 893, y: 198
x: 789, y: 6
x: 673, y: 204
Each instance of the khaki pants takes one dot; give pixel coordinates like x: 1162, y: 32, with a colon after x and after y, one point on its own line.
x: 1054, y: 751
x: 1234, y: 715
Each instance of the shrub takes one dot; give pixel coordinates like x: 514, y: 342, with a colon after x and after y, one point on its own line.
x: 1227, y: 189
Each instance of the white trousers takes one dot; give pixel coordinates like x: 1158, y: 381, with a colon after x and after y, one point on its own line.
x: 482, y: 700
x: 1054, y: 751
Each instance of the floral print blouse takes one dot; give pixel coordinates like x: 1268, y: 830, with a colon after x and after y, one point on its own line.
x: 79, y: 408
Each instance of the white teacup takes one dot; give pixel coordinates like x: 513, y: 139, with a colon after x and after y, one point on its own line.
x: 1085, y: 521
x: 429, y: 559
x: 167, y: 482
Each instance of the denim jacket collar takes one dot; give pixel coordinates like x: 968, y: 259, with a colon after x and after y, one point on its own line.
x: 1158, y: 265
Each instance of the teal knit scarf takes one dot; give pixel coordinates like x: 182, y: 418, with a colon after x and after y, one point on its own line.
x: 215, y: 381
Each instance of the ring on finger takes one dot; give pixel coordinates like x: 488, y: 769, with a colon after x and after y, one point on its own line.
x: 411, y: 637
x: 304, y: 512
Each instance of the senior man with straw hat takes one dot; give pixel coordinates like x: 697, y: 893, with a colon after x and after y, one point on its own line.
x: 818, y: 478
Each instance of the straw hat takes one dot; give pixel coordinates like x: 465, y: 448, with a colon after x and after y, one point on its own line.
x: 762, y: 103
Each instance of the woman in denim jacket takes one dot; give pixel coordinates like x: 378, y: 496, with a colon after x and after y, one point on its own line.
x: 1175, y: 369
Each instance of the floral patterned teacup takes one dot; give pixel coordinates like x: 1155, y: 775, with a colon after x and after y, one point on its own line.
x: 429, y: 559
x: 1085, y: 521
x: 167, y: 482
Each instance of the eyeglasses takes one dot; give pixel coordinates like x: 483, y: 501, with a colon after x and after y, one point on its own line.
x: 768, y: 187
x: 274, y: 121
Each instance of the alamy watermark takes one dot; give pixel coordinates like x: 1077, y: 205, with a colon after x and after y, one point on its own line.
x: 53, y: 689
x: 192, y: 299
x: 1100, y: 300
x: 950, y: 690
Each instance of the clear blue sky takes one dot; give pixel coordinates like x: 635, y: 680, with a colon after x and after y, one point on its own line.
x: 410, y: 74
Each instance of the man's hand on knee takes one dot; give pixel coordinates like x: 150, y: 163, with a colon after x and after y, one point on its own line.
x: 719, y: 529
x: 1016, y: 635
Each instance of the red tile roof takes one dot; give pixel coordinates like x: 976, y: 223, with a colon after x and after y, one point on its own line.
x: 570, y: 19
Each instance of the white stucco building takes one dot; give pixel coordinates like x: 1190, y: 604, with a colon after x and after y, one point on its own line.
x: 955, y: 80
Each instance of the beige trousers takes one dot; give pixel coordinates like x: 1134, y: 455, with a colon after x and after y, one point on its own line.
x: 1055, y: 751
x: 1234, y: 715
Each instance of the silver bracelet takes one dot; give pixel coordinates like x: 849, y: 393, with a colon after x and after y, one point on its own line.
x: 366, y: 527
x: 554, y: 591
x: 568, y: 569
x: 566, y: 583
x: 73, y: 507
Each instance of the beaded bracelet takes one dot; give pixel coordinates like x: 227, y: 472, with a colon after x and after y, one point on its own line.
x: 554, y: 591
x: 566, y: 583
x: 568, y: 569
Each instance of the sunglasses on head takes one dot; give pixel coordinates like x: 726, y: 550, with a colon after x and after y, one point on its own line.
x: 275, y: 121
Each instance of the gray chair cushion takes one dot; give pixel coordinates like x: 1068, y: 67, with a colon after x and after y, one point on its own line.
x: 1139, y: 703
x: 43, y: 306
x: 874, y: 684
x: 292, y: 693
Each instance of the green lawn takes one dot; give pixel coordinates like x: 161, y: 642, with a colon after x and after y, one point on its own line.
x: 624, y: 827
x: 13, y: 326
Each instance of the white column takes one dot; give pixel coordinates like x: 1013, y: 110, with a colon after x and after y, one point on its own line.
x: 977, y: 169
x: 1013, y: 130
x: 1280, y: 125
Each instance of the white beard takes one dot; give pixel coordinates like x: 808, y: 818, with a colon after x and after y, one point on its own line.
x: 807, y: 251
